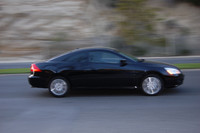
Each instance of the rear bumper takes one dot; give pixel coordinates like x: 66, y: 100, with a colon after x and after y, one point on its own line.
x: 173, y: 81
x: 36, y: 81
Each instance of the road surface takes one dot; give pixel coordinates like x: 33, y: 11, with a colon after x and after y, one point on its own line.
x: 33, y: 110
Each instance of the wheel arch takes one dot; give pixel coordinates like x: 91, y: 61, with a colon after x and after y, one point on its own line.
x: 153, y: 73
x: 53, y: 75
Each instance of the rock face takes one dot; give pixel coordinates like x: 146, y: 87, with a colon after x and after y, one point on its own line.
x: 28, y: 27
x: 180, y: 24
x: 42, y: 28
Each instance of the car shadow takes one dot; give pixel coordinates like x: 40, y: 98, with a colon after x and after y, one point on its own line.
x: 176, y: 91
x: 96, y: 93
x: 112, y: 92
x: 105, y: 92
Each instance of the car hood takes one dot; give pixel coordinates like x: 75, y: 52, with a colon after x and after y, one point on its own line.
x: 157, y: 64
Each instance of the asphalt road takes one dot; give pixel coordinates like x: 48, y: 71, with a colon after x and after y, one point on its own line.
x: 171, y: 60
x: 33, y: 110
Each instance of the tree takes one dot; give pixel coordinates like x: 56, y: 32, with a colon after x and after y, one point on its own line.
x: 137, y: 20
x: 195, y: 2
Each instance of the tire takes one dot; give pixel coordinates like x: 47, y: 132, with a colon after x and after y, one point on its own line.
x: 152, y: 85
x: 59, y: 87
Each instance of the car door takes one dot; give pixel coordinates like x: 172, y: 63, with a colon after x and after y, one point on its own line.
x: 76, y: 69
x: 106, y: 70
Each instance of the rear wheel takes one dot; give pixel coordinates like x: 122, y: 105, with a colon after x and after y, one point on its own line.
x: 59, y: 87
x: 152, y: 85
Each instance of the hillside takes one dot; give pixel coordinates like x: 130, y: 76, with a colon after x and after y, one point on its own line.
x: 42, y: 28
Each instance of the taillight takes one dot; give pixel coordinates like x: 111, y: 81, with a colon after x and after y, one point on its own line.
x: 34, y: 68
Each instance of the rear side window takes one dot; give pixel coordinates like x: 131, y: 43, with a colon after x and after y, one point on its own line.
x: 104, y: 57
x: 78, y: 57
x: 61, y: 57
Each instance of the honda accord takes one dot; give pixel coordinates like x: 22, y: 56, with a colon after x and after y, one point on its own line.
x: 102, y: 68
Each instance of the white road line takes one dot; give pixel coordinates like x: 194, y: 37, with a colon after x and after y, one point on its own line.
x: 187, y: 70
x: 172, y: 57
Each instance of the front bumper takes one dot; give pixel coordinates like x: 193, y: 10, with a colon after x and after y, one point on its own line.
x: 173, y: 81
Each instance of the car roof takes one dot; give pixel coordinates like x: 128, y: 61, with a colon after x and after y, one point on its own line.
x: 94, y: 48
x: 86, y: 49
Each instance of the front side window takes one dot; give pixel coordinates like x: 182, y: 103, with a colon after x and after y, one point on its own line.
x: 104, y: 57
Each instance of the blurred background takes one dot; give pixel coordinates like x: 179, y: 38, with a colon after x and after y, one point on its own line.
x: 39, y: 29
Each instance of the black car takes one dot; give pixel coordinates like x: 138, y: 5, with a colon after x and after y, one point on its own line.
x: 102, y: 68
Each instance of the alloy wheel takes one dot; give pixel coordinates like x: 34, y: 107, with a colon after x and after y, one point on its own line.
x: 58, y: 87
x: 152, y: 85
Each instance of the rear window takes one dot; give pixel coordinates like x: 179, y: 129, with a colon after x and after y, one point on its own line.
x: 61, y: 57
x: 71, y: 57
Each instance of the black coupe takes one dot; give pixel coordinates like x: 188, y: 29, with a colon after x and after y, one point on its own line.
x: 102, y: 68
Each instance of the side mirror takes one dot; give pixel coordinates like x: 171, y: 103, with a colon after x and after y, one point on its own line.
x: 123, y: 62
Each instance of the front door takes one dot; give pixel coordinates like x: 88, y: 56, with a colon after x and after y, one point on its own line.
x: 106, y: 70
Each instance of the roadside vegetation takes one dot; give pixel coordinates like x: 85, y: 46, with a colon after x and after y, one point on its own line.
x: 15, y: 71
x: 188, y: 66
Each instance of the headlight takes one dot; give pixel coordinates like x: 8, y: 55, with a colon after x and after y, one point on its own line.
x: 172, y: 71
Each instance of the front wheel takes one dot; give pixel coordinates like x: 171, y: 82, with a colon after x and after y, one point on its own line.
x: 152, y: 85
x: 59, y: 87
